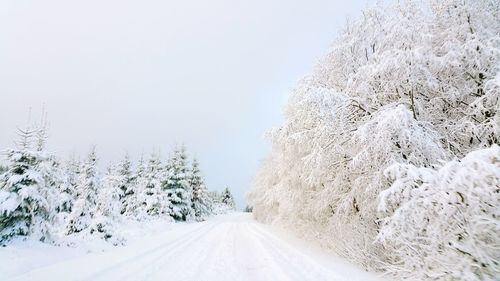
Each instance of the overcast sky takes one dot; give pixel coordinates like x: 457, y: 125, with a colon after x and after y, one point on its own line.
x: 141, y: 75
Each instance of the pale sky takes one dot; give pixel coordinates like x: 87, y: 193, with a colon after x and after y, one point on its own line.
x: 142, y: 75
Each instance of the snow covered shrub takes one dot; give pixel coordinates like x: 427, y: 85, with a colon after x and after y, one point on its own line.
x: 444, y: 222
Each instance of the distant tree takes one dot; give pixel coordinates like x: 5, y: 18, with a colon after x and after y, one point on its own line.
x: 227, y: 198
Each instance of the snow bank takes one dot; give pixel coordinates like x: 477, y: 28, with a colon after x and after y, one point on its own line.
x: 24, y: 254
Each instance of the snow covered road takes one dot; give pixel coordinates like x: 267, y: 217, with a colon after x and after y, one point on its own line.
x: 230, y: 247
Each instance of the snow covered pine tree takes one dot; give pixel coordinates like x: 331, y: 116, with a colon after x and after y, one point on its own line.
x: 109, y: 207
x: 86, y: 189
x: 179, y: 192
x: 26, y: 200
x: 228, y: 199
x: 151, y: 199
x: 201, y: 200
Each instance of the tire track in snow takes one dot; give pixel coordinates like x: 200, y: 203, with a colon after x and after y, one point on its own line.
x: 192, y: 256
x: 226, y: 248
x: 300, y: 266
x: 142, y: 263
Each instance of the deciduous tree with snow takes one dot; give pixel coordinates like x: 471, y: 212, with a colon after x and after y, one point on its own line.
x: 412, y: 83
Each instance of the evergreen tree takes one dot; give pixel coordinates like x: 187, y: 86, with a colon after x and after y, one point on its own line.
x: 125, y: 179
x: 25, y: 199
x: 109, y: 206
x: 85, y: 205
x: 68, y: 192
x: 227, y: 198
x: 201, y: 200
x: 179, y: 192
x: 50, y: 169
x: 133, y: 205
x: 152, y: 199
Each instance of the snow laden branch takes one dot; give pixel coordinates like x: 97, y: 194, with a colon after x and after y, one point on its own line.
x: 444, y: 221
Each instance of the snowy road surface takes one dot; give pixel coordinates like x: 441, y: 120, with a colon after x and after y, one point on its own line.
x: 230, y: 247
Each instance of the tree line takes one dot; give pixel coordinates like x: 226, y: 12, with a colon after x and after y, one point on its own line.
x: 42, y: 198
x: 388, y: 153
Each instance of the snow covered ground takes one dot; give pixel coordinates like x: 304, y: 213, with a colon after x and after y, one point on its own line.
x: 228, y: 247
x: 23, y: 255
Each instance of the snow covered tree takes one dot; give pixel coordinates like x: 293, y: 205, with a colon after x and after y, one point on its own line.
x: 227, y: 198
x: 133, y: 206
x: 412, y: 84
x: 53, y: 174
x: 201, y: 200
x: 68, y: 192
x: 126, y: 179
x: 86, y: 189
x: 109, y: 207
x: 179, y: 192
x: 152, y: 200
x: 26, y: 200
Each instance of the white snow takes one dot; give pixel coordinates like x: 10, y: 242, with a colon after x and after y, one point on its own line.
x: 25, y: 254
x: 228, y: 247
